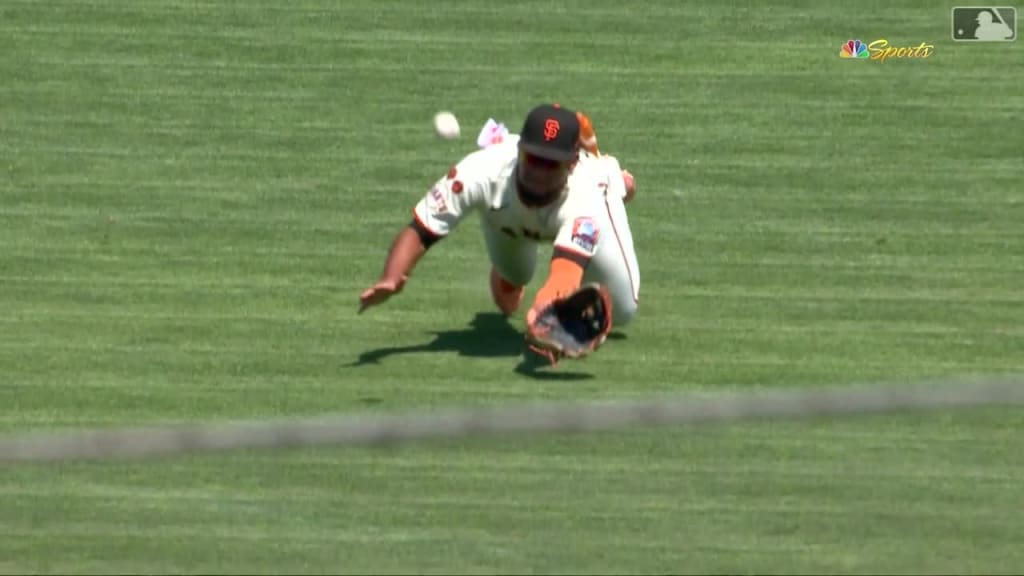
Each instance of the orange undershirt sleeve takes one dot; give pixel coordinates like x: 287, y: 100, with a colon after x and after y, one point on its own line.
x: 565, y: 276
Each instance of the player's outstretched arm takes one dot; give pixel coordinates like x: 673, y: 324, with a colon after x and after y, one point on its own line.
x: 564, y: 276
x: 452, y: 197
x: 406, y: 250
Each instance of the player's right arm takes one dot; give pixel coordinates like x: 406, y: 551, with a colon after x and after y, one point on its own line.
x: 435, y: 216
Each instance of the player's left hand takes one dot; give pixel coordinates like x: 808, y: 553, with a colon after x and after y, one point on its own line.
x: 572, y: 326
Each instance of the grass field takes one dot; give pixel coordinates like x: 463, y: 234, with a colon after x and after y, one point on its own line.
x: 193, y: 194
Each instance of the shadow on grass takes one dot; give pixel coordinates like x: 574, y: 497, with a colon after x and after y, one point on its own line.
x: 536, y: 366
x: 488, y: 335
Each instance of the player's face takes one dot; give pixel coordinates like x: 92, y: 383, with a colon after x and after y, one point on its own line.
x: 541, y: 180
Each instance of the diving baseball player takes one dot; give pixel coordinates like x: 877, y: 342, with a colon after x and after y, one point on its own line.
x: 548, y: 184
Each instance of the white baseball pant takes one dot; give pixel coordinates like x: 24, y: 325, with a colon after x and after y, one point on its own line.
x: 614, y: 264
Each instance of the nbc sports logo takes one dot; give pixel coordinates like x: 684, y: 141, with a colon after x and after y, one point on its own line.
x: 854, y: 49
x: 880, y: 50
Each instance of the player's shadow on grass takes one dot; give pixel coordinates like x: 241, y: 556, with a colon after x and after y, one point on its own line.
x: 489, y: 335
x: 533, y: 365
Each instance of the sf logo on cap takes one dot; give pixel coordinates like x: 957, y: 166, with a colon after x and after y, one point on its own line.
x: 551, y: 129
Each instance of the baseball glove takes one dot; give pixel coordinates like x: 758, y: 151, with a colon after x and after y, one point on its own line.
x: 572, y: 326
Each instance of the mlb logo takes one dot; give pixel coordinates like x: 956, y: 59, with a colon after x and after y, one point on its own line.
x: 984, y: 23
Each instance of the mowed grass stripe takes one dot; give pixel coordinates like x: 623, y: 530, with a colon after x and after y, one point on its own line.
x: 644, y: 508
x: 120, y: 232
x: 916, y: 350
x: 872, y: 293
x: 917, y: 202
x: 45, y: 318
x: 966, y: 189
x: 318, y: 278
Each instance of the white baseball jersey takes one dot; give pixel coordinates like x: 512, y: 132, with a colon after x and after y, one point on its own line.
x: 484, y: 182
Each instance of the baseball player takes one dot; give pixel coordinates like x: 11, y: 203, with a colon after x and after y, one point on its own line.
x: 549, y: 184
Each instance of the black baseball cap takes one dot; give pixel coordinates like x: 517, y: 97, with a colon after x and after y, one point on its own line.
x: 551, y: 132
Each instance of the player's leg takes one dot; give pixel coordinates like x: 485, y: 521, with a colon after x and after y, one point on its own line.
x: 614, y: 265
x: 513, y: 262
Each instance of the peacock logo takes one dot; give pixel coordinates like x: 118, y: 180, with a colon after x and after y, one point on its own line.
x: 854, y: 49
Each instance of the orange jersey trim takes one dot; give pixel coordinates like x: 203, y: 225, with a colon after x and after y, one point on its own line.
x: 424, y: 226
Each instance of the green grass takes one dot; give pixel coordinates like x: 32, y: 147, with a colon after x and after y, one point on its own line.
x: 193, y: 194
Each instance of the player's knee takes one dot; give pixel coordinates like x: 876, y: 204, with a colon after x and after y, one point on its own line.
x: 516, y: 275
x: 623, y: 311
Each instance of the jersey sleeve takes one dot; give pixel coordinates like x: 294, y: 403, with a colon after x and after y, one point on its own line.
x: 581, y: 228
x: 453, y: 197
x: 616, y: 183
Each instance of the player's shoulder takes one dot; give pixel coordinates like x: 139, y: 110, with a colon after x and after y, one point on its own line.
x: 586, y: 194
x: 490, y: 163
x: 600, y: 165
x: 589, y: 174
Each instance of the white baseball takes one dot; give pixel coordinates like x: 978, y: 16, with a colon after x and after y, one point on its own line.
x: 446, y: 125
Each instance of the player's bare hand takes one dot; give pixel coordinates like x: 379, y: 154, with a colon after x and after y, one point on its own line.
x: 630, y: 185
x: 379, y: 293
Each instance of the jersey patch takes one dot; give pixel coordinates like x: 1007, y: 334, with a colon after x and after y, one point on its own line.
x: 585, y: 233
x: 457, y: 187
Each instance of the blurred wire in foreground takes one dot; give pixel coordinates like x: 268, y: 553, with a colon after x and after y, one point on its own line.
x: 422, y: 425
